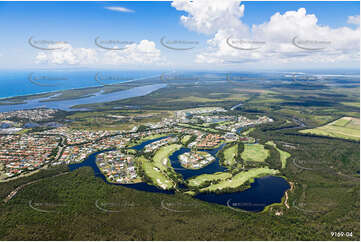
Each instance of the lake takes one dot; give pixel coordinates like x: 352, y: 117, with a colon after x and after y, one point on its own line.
x: 263, y: 192
x: 187, y: 173
x: 143, y: 144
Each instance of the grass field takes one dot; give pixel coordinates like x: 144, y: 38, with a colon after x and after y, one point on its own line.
x: 199, y: 128
x: 232, y: 97
x: 352, y: 104
x: 199, y: 180
x: 283, y: 154
x: 254, y: 152
x: 321, y: 119
x: 186, y: 138
x: 23, y: 131
x: 161, y: 156
x: 230, y: 154
x: 247, y: 132
x: 155, y: 174
x: 345, y: 128
x: 240, y: 178
x: 154, y: 136
x: 267, y: 100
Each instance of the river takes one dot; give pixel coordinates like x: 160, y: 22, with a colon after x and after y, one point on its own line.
x: 98, y: 97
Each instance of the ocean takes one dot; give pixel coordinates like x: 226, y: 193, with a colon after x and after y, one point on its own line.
x: 19, y: 83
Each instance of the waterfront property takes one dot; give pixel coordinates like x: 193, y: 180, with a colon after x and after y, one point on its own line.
x: 118, y: 167
x: 195, y: 160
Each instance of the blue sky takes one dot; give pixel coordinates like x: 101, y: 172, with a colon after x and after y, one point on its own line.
x: 79, y: 23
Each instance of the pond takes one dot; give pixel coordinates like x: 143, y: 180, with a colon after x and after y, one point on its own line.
x: 263, y: 192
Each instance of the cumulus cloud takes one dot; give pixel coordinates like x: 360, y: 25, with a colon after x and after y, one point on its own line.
x: 354, y: 19
x: 64, y: 53
x: 272, y: 41
x: 144, y: 52
x: 209, y: 16
x: 120, y: 9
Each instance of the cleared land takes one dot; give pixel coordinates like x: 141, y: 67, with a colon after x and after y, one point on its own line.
x: 345, y: 128
x: 2, y: 174
x: 199, y: 180
x: 254, y: 152
x: 283, y: 154
x: 239, y: 179
x: 230, y: 155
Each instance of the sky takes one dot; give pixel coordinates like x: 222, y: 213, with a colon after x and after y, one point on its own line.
x: 180, y: 35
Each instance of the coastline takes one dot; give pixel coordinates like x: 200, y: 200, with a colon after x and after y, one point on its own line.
x: 75, y: 88
x: 56, y: 92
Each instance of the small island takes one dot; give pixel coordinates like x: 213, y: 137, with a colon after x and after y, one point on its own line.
x: 195, y: 159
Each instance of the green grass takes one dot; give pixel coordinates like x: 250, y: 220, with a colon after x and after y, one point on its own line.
x: 199, y: 180
x: 266, y: 100
x: 155, y: 174
x: 254, y: 152
x: 247, y: 132
x: 352, y: 104
x: 283, y: 154
x: 230, y: 155
x: 154, y: 136
x: 232, y: 97
x: 199, y: 128
x: 186, y: 138
x: 239, y: 179
x: 345, y: 128
x: 321, y: 119
x: 23, y: 131
x: 342, y: 122
x: 161, y: 156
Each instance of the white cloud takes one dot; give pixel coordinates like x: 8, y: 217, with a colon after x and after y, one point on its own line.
x: 64, y: 53
x: 223, y: 22
x: 145, y: 52
x: 120, y: 9
x: 208, y: 17
x: 354, y: 19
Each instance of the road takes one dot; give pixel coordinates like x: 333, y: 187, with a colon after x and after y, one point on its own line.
x: 16, y: 190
